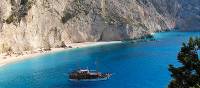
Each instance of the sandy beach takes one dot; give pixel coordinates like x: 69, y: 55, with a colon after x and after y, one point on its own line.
x: 7, y: 59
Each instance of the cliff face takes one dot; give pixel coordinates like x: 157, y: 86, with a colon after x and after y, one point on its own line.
x: 189, y: 15
x: 31, y: 24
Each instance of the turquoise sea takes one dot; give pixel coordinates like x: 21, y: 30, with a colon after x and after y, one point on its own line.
x: 134, y: 65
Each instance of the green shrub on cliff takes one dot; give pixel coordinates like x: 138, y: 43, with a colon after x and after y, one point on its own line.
x: 66, y: 17
x: 19, y: 10
x: 10, y: 19
x: 5, y: 48
x: 77, y: 7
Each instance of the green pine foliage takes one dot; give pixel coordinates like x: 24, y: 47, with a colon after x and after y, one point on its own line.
x: 188, y: 74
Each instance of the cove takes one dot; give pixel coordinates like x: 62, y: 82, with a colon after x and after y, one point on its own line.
x: 134, y: 65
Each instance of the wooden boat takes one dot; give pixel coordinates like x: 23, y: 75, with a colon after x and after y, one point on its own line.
x: 88, y: 75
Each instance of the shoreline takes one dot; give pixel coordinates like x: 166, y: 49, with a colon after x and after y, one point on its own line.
x: 6, y: 60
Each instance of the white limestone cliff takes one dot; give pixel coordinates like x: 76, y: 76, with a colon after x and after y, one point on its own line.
x: 31, y: 24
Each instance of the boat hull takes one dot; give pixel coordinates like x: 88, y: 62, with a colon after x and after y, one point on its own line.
x: 98, y: 79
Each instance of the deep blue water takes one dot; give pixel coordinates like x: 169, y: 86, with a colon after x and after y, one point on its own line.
x: 134, y: 65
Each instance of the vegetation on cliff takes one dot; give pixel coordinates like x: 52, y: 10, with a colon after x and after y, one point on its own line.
x: 19, y: 10
x: 188, y: 74
x: 77, y: 7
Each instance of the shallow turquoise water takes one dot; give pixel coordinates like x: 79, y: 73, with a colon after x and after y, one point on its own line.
x: 134, y: 65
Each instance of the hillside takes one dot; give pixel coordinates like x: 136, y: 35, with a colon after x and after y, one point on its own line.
x: 32, y: 24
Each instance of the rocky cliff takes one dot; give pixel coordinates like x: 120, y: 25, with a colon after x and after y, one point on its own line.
x: 31, y: 24
x: 189, y: 15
